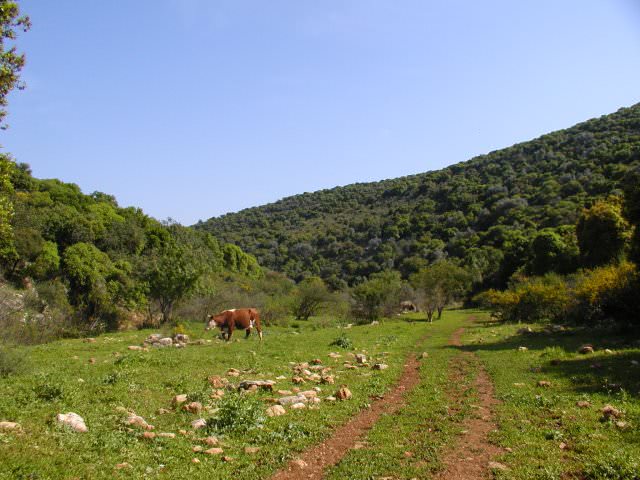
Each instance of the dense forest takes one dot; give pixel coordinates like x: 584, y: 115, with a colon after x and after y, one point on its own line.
x: 485, y: 213
x: 87, y: 263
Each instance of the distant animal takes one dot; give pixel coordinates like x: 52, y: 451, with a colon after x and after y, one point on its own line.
x: 236, y: 318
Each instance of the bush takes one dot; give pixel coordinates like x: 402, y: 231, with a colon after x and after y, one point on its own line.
x: 237, y: 413
x: 532, y: 300
x: 343, y: 342
x: 610, y: 291
x: 11, y: 362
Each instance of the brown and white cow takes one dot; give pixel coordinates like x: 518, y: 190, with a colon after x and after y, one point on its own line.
x: 236, y: 318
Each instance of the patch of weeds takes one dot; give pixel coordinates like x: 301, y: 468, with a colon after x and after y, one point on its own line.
x: 113, y: 377
x: 201, y: 396
x: 388, y: 340
x: 11, y: 362
x: 613, y: 466
x: 289, y: 433
x: 127, y: 360
x: 343, y: 342
x: 553, y: 435
x: 48, y: 391
x: 237, y: 413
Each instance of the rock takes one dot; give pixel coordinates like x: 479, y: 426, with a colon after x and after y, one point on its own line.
x: 583, y: 404
x: 92, y: 361
x: 148, y: 435
x: 348, y: 366
x: 153, y: 338
x: 89, y: 340
x: 424, y: 355
x: 298, y: 406
x: 276, y: 411
x: 556, y: 328
x: 211, y: 441
x: 297, y: 380
x: 232, y: 372
x: 284, y: 392
x: 166, y: 341
x: 198, y: 424
x: 380, y: 366
x: 292, y: 399
x: 227, y: 459
x: 217, y: 382
x: 120, y: 466
x: 522, y: 349
x: 178, y: 400
x: 281, y: 377
x: 72, y: 420
x: 309, y: 394
x: 622, y: 425
x: 135, y: 347
x: 181, y: 337
x: 299, y: 463
x: 361, y: 358
x: 608, y: 351
x: 524, y: 331
x: 408, y: 454
x: 497, y: 466
x: 193, y: 407
x: 563, y: 446
x: 217, y: 394
x: 334, y: 355
x: 585, y: 349
x: 195, y: 460
x: 314, y: 377
x: 343, y: 393
x: 197, y: 449
x: 10, y: 427
x: 544, y: 383
x: 635, y: 363
x: 138, y: 421
x: 314, y: 400
x: 329, y: 379
x: 262, y: 384
x: 374, y: 323
x: 163, y: 411
x: 330, y: 399
x: 214, y: 451
x: 251, y: 450
x: 167, y: 435
x: 316, y: 361
x: 609, y: 412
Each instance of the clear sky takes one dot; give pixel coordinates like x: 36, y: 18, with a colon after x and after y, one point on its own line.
x: 193, y: 108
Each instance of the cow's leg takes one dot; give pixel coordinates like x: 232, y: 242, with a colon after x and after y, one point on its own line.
x: 248, y: 332
x: 230, y: 330
x: 259, y: 332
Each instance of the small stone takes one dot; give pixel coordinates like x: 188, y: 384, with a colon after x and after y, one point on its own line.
x: 276, y: 411
x: 583, y: 404
x: 299, y: 463
x: 609, y: 411
x: 508, y: 450
x: 167, y: 435
x: 197, y: 449
x: 284, y: 392
x: 408, y: 454
x: 92, y: 361
x: 9, y: 426
x: 585, y: 349
x: 522, y: 349
x: 524, y: 331
x: 563, y: 446
x: 621, y: 425
x: 214, y: 451
x: 217, y: 382
x: 227, y: 459
x: 89, y: 340
x: 135, y: 347
x: 138, y: 421
x: 297, y: 380
x: 330, y: 399
x: 316, y: 361
x: 166, y: 342
x: 195, y: 460
x: 292, y: 399
x: 183, y: 432
x: 361, y: 358
x: 120, y: 466
x: 380, y: 366
x: 608, y: 351
x: 163, y: 411
x: 251, y: 450
x: 298, y: 406
x: 635, y: 363
x: 211, y: 441
x: 309, y: 394
x: 199, y: 423
x: 232, y: 372
x: 179, y: 400
x: 498, y: 466
x: 281, y: 377
x: 72, y: 420
x: 334, y: 355
x: 343, y: 393
x: 424, y: 355
x: 193, y: 407
x: 148, y: 435
x: 544, y: 383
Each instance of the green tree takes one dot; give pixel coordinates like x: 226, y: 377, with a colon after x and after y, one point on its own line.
x: 439, y: 285
x: 309, y: 297
x: 602, y: 233
x: 631, y: 185
x: 377, y: 296
x: 550, y: 253
x: 172, y: 273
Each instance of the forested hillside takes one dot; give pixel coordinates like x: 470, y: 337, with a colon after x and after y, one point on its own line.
x: 87, y: 263
x: 484, y: 212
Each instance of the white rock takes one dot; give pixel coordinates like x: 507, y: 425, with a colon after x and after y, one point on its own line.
x: 290, y: 400
x: 298, y: 406
x: 198, y: 424
x: 9, y: 426
x: 276, y: 411
x: 73, y: 420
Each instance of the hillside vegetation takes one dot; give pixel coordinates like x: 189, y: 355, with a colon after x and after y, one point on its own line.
x: 484, y: 212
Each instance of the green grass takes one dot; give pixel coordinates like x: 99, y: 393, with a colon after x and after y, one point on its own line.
x: 535, y: 421
x: 60, y: 379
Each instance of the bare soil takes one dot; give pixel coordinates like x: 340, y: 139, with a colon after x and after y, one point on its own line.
x: 470, y: 456
x: 344, y: 438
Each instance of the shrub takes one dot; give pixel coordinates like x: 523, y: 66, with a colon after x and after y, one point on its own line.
x: 609, y: 291
x: 11, y: 362
x: 237, y: 413
x: 343, y: 342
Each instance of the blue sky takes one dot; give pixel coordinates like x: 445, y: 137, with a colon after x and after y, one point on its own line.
x: 193, y: 108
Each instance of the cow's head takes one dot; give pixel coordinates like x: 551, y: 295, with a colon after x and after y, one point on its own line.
x: 214, y: 321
